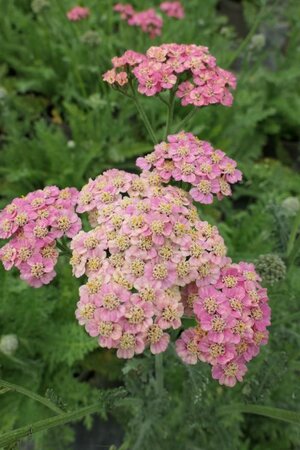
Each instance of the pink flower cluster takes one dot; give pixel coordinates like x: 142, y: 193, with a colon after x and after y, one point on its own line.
x: 147, y: 242
x: 185, y: 158
x: 232, y: 316
x: 147, y: 20
x: 189, y: 69
x: 173, y: 9
x: 78, y: 13
x: 33, y: 224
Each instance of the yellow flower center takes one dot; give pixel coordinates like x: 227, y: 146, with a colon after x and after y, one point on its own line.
x: 154, y: 334
x: 204, y: 186
x: 160, y: 272
x: 111, y: 302
x: 180, y: 229
x: 49, y: 251
x: 21, y: 219
x: 235, y: 304
x: 88, y: 310
x: 137, y: 267
x: 256, y: 313
x: 40, y: 231
x: 169, y: 314
x: 166, y: 252
x: 63, y: 223
x: 204, y: 270
x: 231, y: 369
x: 183, y: 269
x: 37, y: 270
x: 37, y: 202
x: 147, y: 294
x: 157, y: 227
x: 117, y: 260
x: 239, y: 327
x: 242, y: 347
x: 136, y: 222
x: 105, y: 329
x: 230, y: 281
x: 218, y: 324
x: 127, y: 341
x: 216, y: 350
x: 145, y: 243
x: 192, y: 347
x: 210, y: 305
x: 94, y: 285
x: 91, y: 242
x: 196, y: 250
x: 136, y: 315
x: 94, y: 264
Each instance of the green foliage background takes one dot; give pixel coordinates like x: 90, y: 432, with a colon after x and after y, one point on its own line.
x: 60, y: 124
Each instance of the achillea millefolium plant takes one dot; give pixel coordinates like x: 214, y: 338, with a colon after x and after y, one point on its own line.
x: 149, y: 260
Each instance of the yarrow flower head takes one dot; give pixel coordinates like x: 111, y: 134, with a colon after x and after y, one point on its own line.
x: 149, y: 21
x: 173, y: 9
x: 186, y: 158
x: 232, y: 316
x: 146, y: 244
x: 33, y: 224
x: 189, y: 69
x: 78, y: 13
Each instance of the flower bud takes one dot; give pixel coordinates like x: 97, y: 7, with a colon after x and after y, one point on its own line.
x: 271, y: 268
x: 291, y: 206
x: 9, y: 344
x: 37, y: 6
x: 91, y: 38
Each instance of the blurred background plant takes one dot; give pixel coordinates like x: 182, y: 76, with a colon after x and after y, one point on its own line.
x: 60, y: 124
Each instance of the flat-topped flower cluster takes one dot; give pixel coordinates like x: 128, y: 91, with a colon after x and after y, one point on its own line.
x: 33, y: 224
x: 189, y: 69
x: 148, y: 20
x: 232, y: 316
x: 185, y: 158
x: 78, y: 13
x: 147, y: 243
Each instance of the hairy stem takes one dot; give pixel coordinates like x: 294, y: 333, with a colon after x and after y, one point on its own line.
x: 170, y: 113
x: 188, y: 117
x: 46, y: 424
x: 143, y: 114
x: 38, y: 398
x: 292, y: 239
x: 159, y: 374
x: 247, y: 39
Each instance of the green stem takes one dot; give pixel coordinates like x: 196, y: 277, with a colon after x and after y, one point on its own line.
x: 267, y: 411
x: 170, y: 113
x: 143, y: 115
x: 143, y: 429
x: 30, y: 394
x: 247, y: 39
x: 72, y: 27
x: 46, y: 424
x: 293, y: 235
x: 189, y: 115
x: 159, y: 374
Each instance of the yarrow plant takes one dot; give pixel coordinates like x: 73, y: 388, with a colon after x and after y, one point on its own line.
x: 78, y: 13
x: 149, y: 21
x: 185, y: 158
x: 172, y: 9
x: 34, y: 224
x: 189, y: 71
x: 148, y: 260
